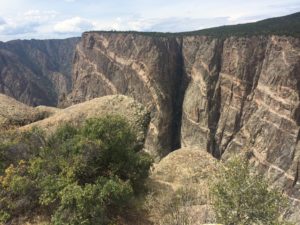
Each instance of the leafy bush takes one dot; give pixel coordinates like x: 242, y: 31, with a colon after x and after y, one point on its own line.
x: 81, y: 175
x: 15, y: 146
x: 241, y: 197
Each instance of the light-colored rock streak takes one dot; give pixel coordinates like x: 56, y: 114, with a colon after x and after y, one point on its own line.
x: 153, y: 128
x: 234, y: 79
x: 264, y: 162
x: 197, y: 78
x: 143, y: 74
x: 228, y: 90
x: 274, y: 112
x: 284, y: 59
x: 190, y: 119
x: 111, y: 86
x: 274, y: 95
x: 205, y: 129
x: 286, y: 132
x: 104, y: 41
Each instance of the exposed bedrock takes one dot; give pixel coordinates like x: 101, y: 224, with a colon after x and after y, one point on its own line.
x: 244, y: 96
x: 149, y: 69
x: 37, y: 72
x: 223, y: 95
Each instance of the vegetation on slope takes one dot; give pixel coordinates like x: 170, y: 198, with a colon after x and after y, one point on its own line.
x: 240, y: 196
x: 92, y: 174
x: 285, y: 25
x: 80, y: 175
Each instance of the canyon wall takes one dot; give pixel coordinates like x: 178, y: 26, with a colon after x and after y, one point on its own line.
x: 37, y: 72
x: 145, y: 68
x: 244, y: 96
x: 222, y: 95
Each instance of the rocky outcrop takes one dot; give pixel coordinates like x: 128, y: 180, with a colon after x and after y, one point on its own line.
x: 224, y: 95
x: 184, y: 166
x: 36, y: 72
x: 16, y: 114
x: 124, y: 106
x: 179, y: 188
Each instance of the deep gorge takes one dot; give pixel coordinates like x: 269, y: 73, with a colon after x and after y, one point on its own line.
x: 223, y: 94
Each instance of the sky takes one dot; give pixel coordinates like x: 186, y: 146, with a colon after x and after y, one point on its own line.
x: 47, y: 19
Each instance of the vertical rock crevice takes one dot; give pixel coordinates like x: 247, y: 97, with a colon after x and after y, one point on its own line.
x: 179, y: 92
x: 214, y: 100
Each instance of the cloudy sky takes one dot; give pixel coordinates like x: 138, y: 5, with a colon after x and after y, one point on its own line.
x: 26, y: 19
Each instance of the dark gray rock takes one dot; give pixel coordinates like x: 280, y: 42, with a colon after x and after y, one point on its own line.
x: 37, y: 72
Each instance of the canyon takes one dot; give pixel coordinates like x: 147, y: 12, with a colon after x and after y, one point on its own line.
x: 225, y: 96
x: 37, y: 72
x: 221, y: 94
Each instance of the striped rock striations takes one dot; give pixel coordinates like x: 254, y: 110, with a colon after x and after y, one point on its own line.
x: 37, y: 72
x: 145, y: 68
x: 224, y: 95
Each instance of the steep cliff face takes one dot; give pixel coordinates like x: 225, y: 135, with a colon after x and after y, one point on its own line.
x: 36, y: 71
x: 244, y: 96
x: 145, y: 68
x: 225, y: 95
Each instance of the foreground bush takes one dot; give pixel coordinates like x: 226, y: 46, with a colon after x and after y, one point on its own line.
x: 84, y: 175
x: 241, y: 197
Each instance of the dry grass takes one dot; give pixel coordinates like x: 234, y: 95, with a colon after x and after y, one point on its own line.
x: 133, y: 112
x: 15, y: 114
x: 179, y: 193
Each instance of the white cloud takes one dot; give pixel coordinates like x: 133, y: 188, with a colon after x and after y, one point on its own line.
x: 121, y: 24
x: 235, y: 17
x: 40, y: 16
x: 77, y: 25
x: 73, y: 25
x: 2, y: 21
x: 14, y: 27
x: 178, y: 24
x: 72, y: 17
x: 26, y: 23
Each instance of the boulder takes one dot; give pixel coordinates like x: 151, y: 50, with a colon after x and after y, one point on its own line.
x: 179, y: 184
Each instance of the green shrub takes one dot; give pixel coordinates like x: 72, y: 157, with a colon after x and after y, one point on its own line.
x: 241, y: 197
x: 89, y: 204
x: 81, y: 175
x: 18, y: 194
x: 16, y: 146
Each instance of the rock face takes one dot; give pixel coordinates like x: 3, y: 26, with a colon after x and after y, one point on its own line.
x: 244, y: 95
x: 224, y: 95
x: 145, y: 68
x: 36, y: 72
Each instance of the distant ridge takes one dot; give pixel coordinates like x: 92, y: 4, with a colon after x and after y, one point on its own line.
x: 36, y: 72
x: 285, y: 25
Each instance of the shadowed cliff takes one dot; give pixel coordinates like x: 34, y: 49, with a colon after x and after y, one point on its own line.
x: 36, y: 72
